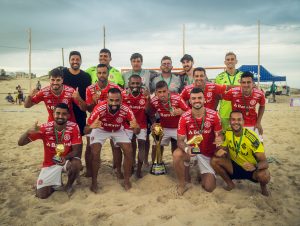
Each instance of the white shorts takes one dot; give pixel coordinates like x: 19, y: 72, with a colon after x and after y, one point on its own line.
x: 204, y: 164
x: 51, y: 176
x: 256, y: 131
x: 100, y: 135
x: 168, y: 134
x: 141, y: 136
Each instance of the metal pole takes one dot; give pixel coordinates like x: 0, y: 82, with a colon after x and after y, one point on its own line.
x: 183, y: 39
x: 63, y: 57
x: 258, y: 55
x: 29, y: 59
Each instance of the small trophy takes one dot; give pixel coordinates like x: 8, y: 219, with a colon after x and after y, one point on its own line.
x: 195, y: 141
x: 158, y: 167
x: 60, y: 148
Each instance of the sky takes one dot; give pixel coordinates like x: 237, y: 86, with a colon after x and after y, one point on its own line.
x: 154, y: 29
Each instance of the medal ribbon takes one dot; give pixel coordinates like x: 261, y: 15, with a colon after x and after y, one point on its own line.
x: 202, y: 123
x: 237, y: 146
x: 246, y: 106
x: 56, y: 136
x: 166, y: 81
x: 169, y: 104
x: 228, y: 76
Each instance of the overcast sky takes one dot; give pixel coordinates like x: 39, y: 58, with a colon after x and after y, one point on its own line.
x: 153, y: 28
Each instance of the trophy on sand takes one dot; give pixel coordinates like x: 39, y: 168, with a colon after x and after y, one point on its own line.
x: 60, y: 148
x: 158, y: 167
x: 195, y: 141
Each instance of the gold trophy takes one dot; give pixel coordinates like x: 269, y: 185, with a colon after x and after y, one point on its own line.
x: 194, y: 142
x: 60, y: 148
x: 158, y: 167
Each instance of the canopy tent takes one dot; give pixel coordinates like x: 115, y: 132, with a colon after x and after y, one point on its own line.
x: 265, y: 75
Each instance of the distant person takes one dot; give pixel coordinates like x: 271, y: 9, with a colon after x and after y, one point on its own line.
x: 187, y: 62
x: 273, y: 90
x: 174, y: 82
x: 241, y: 156
x: 114, y: 75
x: 60, y: 131
x: 38, y: 85
x: 10, y: 98
x: 230, y: 77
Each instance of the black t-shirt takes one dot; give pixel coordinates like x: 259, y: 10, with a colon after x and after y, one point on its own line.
x: 82, y: 81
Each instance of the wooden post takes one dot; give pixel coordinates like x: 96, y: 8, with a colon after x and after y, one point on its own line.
x: 29, y: 31
x: 63, y: 57
x: 103, y: 36
x: 183, y: 39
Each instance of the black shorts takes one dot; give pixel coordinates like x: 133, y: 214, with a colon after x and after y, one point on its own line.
x: 240, y: 173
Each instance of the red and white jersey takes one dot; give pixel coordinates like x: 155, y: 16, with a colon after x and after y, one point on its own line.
x: 246, y: 104
x: 138, y: 105
x: 211, y: 93
x: 167, y: 120
x: 51, y: 100
x: 189, y: 127
x: 95, y: 89
x: 47, y: 134
x: 111, y: 122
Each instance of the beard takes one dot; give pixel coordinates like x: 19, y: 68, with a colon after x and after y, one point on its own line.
x: 113, y: 108
x: 197, y: 106
x: 60, y: 121
x: 238, y: 129
x: 75, y: 66
x: 103, y: 80
x: 135, y: 91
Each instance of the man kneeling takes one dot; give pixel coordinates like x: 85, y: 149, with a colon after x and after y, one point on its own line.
x: 58, y: 134
x: 246, y: 158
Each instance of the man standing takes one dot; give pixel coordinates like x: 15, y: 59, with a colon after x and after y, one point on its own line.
x: 169, y: 107
x: 79, y: 80
x: 187, y: 65
x: 245, y: 98
x: 54, y: 94
x: 199, y: 121
x: 136, y: 61
x: 241, y: 156
x: 211, y: 91
x: 173, y: 81
x: 107, y: 121
x: 137, y: 99
x: 231, y: 76
x: 114, y: 75
x: 58, y: 134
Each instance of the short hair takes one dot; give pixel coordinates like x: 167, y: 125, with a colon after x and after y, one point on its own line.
x: 161, y: 84
x: 199, y: 69
x: 187, y: 57
x: 229, y: 54
x: 236, y: 111
x: 247, y: 74
x: 136, y: 56
x: 197, y: 90
x: 62, y: 106
x: 105, y: 51
x: 72, y: 53
x: 165, y: 58
x: 57, y: 72
x: 102, y: 65
x: 114, y: 90
x: 134, y: 76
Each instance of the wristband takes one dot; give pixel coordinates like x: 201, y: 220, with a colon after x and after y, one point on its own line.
x: 186, y: 149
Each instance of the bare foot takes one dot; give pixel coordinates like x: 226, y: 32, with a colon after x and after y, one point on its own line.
x: 138, y: 174
x: 182, y: 189
x: 127, y: 185
x: 119, y: 175
x: 69, y: 191
x: 146, y: 164
x: 264, y: 190
x: 94, y: 188
x: 87, y: 174
x: 229, y: 187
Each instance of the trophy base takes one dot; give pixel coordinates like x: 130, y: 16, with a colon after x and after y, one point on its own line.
x: 195, y: 151
x: 57, y: 160
x: 158, y: 169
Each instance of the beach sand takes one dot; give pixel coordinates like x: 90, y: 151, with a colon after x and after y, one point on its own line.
x: 152, y: 199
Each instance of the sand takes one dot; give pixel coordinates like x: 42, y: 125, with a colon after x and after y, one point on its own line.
x: 152, y: 199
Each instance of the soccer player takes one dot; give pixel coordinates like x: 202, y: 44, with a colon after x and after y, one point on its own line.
x: 197, y: 121
x: 230, y: 77
x: 169, y: 107
x: 114, y: 75
x: 173, y: 81
x: 241, y: 156
x: 54, y: 94
x: 59, y: 132
x: 137, y: 99
x: 245, y: 98
x: 211, y: 91
x: 107, y: 121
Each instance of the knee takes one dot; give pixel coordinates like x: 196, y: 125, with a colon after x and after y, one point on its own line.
x: 177, y: 154
x: 95, y: 149
x: 263, y: 176
x: 42, y: 194
x: 209, y: 187
x: 76, y: 165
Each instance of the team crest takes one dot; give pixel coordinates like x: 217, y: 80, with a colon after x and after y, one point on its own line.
x: 253, y: 102
x: 209, y: 94
x: 119, y: 120
x: 142, y: 101
x: 40, y: 182
x: 111, y: 76
x: 207, y: 124
x: 65, y: 101
x: 67, y: 137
